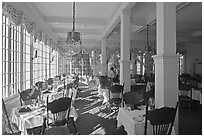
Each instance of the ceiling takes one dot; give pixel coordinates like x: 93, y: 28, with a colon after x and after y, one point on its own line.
x: 92, y: 18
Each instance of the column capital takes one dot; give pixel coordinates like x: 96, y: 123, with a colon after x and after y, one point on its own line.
x: 166, y: 56
x: 124, y: 61
x: 125, y: 12
x: 103, y: 39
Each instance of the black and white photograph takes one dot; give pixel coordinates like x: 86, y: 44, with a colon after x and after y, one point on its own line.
x: 101, y: 67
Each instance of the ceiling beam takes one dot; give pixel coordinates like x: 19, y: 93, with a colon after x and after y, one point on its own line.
x: 138, y: 21
x: 79, y: 20
x: 35, y: 15
x: 115, y: 20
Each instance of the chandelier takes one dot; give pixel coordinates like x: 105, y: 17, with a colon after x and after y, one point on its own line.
x: 73, y: 37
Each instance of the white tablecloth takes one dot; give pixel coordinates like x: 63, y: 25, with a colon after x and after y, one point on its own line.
x: 197, y: 95
x: 103, y: 92
x: 28, y: 120
x: 149, y: 85
x: 134, y: 122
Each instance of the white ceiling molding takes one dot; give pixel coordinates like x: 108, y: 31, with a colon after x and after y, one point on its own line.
x: 138, y: 21
x: 79, y: 20
x: 32, y: 12
x: 115, y: 20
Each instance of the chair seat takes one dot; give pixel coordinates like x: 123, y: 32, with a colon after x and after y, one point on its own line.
x: 62, y: 130
x: 184, y: 97
x: 114, y: 100
x: 59, y: 122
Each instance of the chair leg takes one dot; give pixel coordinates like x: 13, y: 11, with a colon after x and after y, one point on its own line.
x: 189, y: 105
x: 74, y: 127
x: 73, y: 124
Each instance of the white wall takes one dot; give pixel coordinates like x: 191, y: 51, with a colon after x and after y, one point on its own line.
x: 193, y: 55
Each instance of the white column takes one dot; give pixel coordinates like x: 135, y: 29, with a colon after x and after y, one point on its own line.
x: 104, y: 65
x: 166, y: 60
x: 125, y: 50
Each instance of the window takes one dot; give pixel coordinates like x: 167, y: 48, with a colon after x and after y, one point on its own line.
x: 11, y: 37
x: 16, y: 59
x: 26, y: 59
x: 181, y: 64
x: 41, y: 63
x: 140, y: 61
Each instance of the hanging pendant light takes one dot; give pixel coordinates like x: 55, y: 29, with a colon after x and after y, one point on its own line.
x: 148, y: 48
x: 73, y: 37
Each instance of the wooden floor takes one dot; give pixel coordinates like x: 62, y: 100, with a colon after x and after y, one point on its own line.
x: 190, y: 120
x: 100, y: 121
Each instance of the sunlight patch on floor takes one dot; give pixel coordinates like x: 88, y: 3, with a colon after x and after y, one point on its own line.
x: 93, y: 103
x: 98, y: 130
x: 87, y: 98
x: 92, y: 111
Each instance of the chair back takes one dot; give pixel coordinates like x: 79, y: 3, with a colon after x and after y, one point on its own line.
x: 185, y: 90
x: 162, y: 120
x: 29, y: 96
x: 69, y: 86
x: 76, y: 82
x: 140, y: 89
x: 184, y: 87
x: 116, y: 88
x: 104, y: 82
x: 116, y: 91
x: 8, y: 123
x: 41, y: 85
x: 132, y: 98
x: 59, y: 107
x: 50, y: 81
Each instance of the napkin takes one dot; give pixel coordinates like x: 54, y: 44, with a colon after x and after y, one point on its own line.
x: 138, y: 119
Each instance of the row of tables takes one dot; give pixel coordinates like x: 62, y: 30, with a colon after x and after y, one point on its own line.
x: 34, y: 117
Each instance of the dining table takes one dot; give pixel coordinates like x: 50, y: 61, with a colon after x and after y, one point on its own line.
x: 134, y: 121
x: 31, y: 116
x: 197, y: 94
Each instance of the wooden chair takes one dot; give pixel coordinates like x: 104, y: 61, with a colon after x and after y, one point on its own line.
x: 60, y: 110
x: 68, y: 87
x: 11, y: 128
x: 76, y: 83
x: 116, y: 93
x: 133, y: 99
x: 104, y: 82
x: 185, y: 95
x: 140, y: 89
x: 41, y: 85
x: 29, y: 96
x: 161, y: 120
x: 50, y: 82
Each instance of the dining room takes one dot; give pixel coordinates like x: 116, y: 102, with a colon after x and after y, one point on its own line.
x: 83, y: 70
